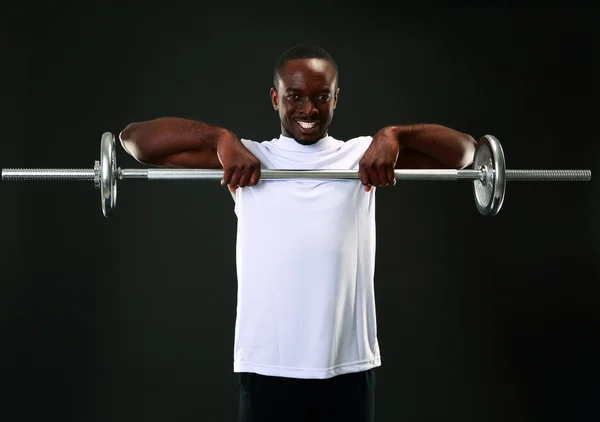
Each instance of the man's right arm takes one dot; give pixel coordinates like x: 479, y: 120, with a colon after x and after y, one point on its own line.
x: 178, y: 142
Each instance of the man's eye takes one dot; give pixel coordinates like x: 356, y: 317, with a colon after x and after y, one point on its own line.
x: 324, y: 98
x: 292, y: 96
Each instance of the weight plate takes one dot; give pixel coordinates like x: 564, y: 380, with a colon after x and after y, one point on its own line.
x: 108, y: 174
x: 489, y: 192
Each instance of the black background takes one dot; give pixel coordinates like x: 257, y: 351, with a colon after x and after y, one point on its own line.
x: 132, y: 318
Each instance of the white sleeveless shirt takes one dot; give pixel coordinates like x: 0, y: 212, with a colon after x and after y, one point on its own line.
x: 305, y: 265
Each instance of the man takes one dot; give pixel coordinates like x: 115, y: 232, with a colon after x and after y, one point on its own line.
x: 305, y: 337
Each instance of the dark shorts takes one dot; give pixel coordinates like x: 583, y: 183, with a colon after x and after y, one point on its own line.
x: 347, y: 398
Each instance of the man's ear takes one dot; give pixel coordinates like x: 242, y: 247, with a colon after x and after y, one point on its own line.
x: 335, y: 97
x: 274, y: 98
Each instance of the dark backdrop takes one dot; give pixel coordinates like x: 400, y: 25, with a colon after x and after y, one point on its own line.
x: 132, y: 318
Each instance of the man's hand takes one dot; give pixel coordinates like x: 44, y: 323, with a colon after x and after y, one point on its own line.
x: 376, y: 167
x: 241, y: 167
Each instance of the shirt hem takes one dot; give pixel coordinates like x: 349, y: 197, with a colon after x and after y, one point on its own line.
x: 277, y: 371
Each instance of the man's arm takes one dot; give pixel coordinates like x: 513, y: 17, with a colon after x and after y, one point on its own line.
x: 173, y: 142
x: 178, y: 142
x: 422, y: 146
x: 432, y: 146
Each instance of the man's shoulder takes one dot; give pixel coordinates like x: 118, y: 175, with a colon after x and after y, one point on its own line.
x: 358, y: 139
x: 357, y: 142
x: 256, y: 143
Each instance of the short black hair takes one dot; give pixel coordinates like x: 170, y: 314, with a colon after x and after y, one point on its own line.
x: 302, y: 51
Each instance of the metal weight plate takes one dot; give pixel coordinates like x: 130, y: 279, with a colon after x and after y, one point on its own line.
x: 108, y: 174
x: 489, y: 192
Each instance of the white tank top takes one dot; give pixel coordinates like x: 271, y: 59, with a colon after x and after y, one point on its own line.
x: 305, y: 265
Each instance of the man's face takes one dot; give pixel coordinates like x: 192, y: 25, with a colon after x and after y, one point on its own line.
x: 305, y: 98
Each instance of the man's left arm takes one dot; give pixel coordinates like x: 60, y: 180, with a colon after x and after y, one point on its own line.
x: 420, y: 146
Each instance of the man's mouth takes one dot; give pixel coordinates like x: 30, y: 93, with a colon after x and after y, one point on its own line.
x: 307, y: 126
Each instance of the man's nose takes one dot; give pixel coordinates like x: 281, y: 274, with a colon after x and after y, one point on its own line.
x: 307, y: 106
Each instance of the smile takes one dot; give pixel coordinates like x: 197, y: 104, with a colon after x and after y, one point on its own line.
x: 307, y: 125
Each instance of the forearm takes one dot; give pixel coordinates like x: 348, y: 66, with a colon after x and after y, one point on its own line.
x: 412, y: 159
x: 154, y: 141
x: 448, y: 147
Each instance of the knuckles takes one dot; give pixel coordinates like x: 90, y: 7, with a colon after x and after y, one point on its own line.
x: 239, y: 173
x: 371, y: 169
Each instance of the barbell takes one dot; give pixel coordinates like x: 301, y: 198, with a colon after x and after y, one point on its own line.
x: 488, y: 174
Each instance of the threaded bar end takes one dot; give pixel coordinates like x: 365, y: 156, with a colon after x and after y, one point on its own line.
x: 48, y: 174
x: 549, y: 175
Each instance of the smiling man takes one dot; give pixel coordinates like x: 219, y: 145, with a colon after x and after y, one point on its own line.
x: 309, y: 94
x: 306, y: 345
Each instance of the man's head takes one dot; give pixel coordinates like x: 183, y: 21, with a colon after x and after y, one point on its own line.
x: 305, y: 92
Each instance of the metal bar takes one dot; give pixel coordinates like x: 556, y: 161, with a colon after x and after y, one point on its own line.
x: 210, y: 174
x: 548, y: 175
x: 48, y: 174
x: 133, y: 174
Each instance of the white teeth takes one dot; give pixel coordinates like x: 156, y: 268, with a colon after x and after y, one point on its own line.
x: 307, y: 125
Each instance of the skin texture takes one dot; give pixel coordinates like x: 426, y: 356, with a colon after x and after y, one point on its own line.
x: 307, y: 91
